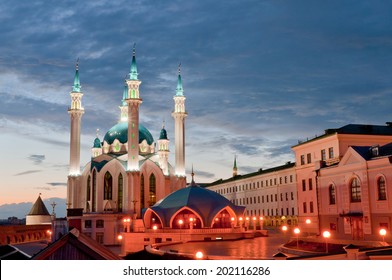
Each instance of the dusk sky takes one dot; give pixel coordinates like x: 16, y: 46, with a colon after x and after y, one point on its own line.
x: 258, y: 76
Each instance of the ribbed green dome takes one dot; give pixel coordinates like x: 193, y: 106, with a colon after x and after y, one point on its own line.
x: 97, y: 143
x: 120, y: 132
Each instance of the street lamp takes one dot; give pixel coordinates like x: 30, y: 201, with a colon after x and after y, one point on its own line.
x: 254, y: 222
x: 326, y: 235
x: 307, y: 221
x: 296, y: 232
x: 383, y: 232
x: 199, y: 255
x: 284, y: 229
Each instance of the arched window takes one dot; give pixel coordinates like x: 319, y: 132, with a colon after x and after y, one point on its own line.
x: 120, y: 193
x: 142, y: 191
x: 88, y: 192
x: 94, y: 191
x: 355, y: 190
x: 153, y: 190
x: 332, y: 195
x: 108, y: 185
x: 382, y: 193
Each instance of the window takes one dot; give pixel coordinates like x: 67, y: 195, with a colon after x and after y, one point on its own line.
x: 94, y: 203
x: 275, y: 181
x: 304, y: 207
x: 287, y: 196
x: 87, y: 223
x: 292, y: 211
x: 267, y: 197
x: 276, y: 197
x: 285, y: 179
x: 272, y: 198
x: 332, y: 195
x: 280, y: 180
x: 153, y: 190
x: 120, y: 193
x: 291, y: 178
x: 88, y: 188
x: 108, y: 186
x: 99, y: 224
x: 330, y: 152
x: 302, y: 159
x: 310, y: 184
x: 355, y: 190
x: 262, y: 199
x: 281, y: 196
x: 382, y: 195
x: 309, y: 158
x: 99, y: 237
x: 311, y: 207
x: 303, y: 185
x: 332, y: 226
x: 323, y: 155
x: 292, y: 195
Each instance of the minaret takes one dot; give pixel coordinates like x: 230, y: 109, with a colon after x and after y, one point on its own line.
x: 179, y: 116
x: 133, y: 100
x: 124, y: 105
x: 96, y: 150
x: 163, y: 151
x: 235, y: 167
x: 76, y: 112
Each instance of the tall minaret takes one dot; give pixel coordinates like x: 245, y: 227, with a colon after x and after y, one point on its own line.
x: 163, y: 151
x: 179, y: 116
x: 76, y: 112
x: 124, y: 105
x: 133, y: 100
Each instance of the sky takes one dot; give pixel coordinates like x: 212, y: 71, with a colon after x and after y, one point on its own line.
x: 258, y: 76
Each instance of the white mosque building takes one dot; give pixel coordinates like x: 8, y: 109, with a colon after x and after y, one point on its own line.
x: 128, y: 170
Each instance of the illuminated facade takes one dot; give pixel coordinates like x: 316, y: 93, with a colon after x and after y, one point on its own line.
x: 127, y: 172
x: 344, y: 183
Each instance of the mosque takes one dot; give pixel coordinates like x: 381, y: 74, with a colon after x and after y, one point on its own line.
x: 129, y: 186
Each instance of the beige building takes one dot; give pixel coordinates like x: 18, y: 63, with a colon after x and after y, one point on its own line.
x: 269, y: 195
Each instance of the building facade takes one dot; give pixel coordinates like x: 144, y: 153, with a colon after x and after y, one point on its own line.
x: 269, y: 195
x: 128, y: 170
x: 320, y: 167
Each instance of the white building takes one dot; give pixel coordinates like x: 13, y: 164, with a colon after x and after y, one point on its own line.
x: 269, y: 194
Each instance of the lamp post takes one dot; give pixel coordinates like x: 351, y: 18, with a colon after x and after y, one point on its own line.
x: 261, y: 220
x: 326, y: 235
x: 297, y: 232
x: 383, y: 232
x: 284, y: 229
x: 254, y: 222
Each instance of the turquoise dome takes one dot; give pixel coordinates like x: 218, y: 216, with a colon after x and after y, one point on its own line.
x: 120, y: 132
x: 97, y: 143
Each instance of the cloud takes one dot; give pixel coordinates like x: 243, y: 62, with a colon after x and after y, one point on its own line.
x: 36, y: 159
x: 44, y: 188
x: 57, y: 184
x: 28, y: 172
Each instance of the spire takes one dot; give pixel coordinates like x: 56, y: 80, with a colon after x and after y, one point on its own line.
x: 133, y: 71
x: 179, y: 89
x: 235, y: 166
x: 76, y: 86
x: 193, y: 178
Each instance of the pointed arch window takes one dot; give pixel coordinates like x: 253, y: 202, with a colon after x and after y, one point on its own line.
x: 332, y: 195
x: 382, y: 193
x: 355, y: 190
x: 108, y: 186
x: 88, y: 192
x: 153, y: 190
x: 120, y: 193
x: 94, y: 202
x: 142, y: 191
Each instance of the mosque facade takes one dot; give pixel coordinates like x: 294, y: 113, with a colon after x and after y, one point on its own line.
x: 129, y: 170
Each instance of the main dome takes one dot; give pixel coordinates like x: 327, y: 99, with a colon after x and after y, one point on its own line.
x: 120, y: 132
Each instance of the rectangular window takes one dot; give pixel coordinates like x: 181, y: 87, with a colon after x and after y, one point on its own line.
x: 87, y: 223
x: 280, y: 180
x: 292, y: 195
x: 310, y: 184
x: 267, y: 198
x: 323, y: 154
x: 262, y: 199
x: 303, y: 185
x: 258, y: 199
x: 287, y: 211
x: 287, y: 196
x: 292, y: 211
x: 291, y: 178
x: 168, y: 239
x: 146, y: 239
x: 330, y: 152
x: 311, y: 207
x: 304, y: 207
x: 302, y: 159
x: 276, y: 197
x: 332, y: 226
x: 275, y: 181
x: 309, y: 158
x: 281, y: 196
x: 99, y: 224
x: 285, y: 179
x: 272, y: 198
x: 99, y: 237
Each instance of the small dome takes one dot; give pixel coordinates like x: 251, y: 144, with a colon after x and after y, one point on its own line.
x: 120, y: 132
x: 97, y: 143
x: 163, y: 135
x: 204, y: 202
